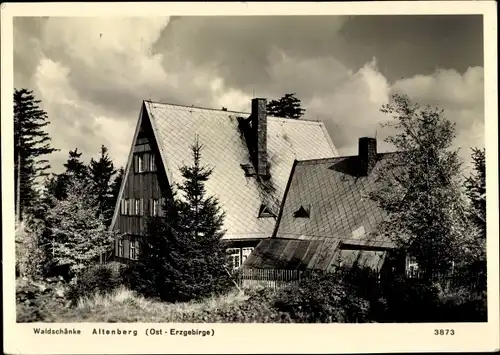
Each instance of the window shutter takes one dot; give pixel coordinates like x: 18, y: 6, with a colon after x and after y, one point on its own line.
x: 141, y: 212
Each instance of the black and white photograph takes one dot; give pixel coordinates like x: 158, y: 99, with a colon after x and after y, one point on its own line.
x: 282, y: 168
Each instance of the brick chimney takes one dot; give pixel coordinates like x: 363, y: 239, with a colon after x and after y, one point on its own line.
x: 367, y: 152
x: 259, y: 132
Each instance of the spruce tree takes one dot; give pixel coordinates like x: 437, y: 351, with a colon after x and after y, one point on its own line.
x: 75, y: 169
x: 420, y: 187
x: 101, y: 173
x: 31, y: 143
x: 78, y: 232
x: 183, y: 253
x: 475, y: 184
x: 287, y: 107
x: 476, y: 189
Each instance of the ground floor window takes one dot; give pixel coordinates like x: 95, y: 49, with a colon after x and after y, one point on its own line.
x: 134, y: 249
x: 237, y: 256
x: 412, y: 269
x: 120, y: 247
x: 245, y: 252
x: 233, y: 255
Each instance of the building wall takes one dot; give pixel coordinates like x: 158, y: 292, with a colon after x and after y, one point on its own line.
x: 145, y: 186
x: 144, y: 193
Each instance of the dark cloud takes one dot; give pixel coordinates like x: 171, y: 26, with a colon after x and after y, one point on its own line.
x: 408, y: 45
x: 93, y: 73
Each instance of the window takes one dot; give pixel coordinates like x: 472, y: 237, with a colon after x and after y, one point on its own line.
x: 120, y: 247
x: 137, y: 207
x: 140, y: 164
x: 245, y: 252
x: 248, y: 169
x: 134, y: 249
x: 152, y: 163
x: 412, y: 270
x: 234, y: 258
x: 154, y: 207
x: 125, y: 207
x: 303, y: 212
x: 144, y: 162
x: 265, y: 212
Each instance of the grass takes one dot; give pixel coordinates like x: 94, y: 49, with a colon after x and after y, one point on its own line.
x: 123, y: 305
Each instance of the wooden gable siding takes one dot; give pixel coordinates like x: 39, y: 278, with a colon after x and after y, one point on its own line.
x: 144, y: 185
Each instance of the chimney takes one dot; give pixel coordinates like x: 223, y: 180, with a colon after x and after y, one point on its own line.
x: 259, y: 132
x: 367, y: 151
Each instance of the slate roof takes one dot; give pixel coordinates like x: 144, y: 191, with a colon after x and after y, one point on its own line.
x: 343, y: 219
x: 225, y: 150
x: 314, y: 253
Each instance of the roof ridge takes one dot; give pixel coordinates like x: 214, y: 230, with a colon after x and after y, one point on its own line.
x: 304, y: 161
x: 230, y: 111
x: 193, y: 106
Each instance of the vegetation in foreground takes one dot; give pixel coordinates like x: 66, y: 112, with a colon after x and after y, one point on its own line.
x: 101, y: 296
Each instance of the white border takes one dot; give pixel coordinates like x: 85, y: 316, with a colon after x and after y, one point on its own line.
x: 253, y: 338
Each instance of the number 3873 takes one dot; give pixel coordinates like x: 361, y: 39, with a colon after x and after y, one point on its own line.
x: 444, y: 331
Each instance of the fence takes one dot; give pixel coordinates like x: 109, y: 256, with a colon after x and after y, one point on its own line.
x: 475, y: 282
x: 272, y: 278
x: 281, y: 278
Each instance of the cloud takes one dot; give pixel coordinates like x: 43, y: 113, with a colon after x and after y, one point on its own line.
x: 93, y: 73
x: 75, y: 123
x: 460, y: 96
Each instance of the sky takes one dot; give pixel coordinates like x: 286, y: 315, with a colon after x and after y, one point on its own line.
x: 92, y: 74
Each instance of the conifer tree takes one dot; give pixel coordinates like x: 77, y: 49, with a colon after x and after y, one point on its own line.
x: 31, y: 143
x: 475, y: 184
x: 476, y: 189
x: 101, y: 173
x: 79, y: 234
x: 75, y: 169
x: 420, y: 188
x: 287, y: 107
x: 183, y: 253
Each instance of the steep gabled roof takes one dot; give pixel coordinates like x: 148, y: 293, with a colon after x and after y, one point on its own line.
x: 342, y: 221
x: 240, y: 196
x: 338, y: 196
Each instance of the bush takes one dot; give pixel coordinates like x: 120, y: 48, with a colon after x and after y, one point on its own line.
x: 98, y: 278
x: 464, y: 306
x: 323, y: 298
x: 411, y: 300
x: 36, y: 301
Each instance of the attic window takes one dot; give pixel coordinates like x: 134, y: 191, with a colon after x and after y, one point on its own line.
x: 265, y: 212
x: 302, y: 212
x: 249, y: 169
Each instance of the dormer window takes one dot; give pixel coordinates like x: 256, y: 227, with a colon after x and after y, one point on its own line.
x: 302, y: 212
x: 248, y: 169
x: 265, y: 212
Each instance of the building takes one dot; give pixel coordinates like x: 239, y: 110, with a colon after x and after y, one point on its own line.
x: 327, y: 218
x: 252, y: 155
